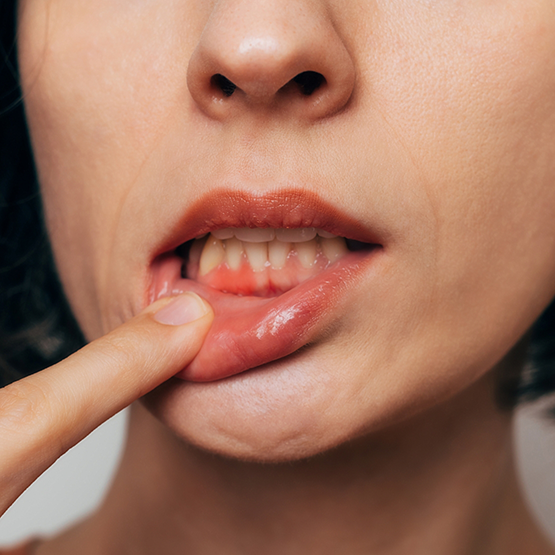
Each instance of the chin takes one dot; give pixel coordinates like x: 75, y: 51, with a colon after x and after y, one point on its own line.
x: 301, y: 406
x: 276, y: 413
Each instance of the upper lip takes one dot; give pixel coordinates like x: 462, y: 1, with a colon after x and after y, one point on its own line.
x: 284, y: 208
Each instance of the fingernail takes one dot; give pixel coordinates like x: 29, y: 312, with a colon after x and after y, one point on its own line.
x: 182, y: 310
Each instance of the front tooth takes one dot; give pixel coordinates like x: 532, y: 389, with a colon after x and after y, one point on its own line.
x: 212, y: 255
x: 257, y: 254
x: 306, y: 252
x: 226, y: 233
x: 234, y: 253
x: 334, y: 248
x: 296, y: 235
x: 256, y: 234
x: 277, y: 253
x: 326, y: 234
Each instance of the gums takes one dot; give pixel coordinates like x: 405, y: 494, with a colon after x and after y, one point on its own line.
x: 267, y: 280
x: 249, y: 331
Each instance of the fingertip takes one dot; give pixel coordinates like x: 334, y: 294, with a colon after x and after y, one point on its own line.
x: 183, y: 309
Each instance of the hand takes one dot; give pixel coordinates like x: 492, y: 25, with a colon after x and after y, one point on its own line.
x: 44, y: 415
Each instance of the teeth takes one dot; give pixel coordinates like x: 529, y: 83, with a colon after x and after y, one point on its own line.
x: 277, y: 253
x: 212, y: 255
x: 326, y: 234
x: 264, y: 235
x: 334, y: 248
x: 222, y: 234
x: 257, y: 254
x: 306, y: 251
x: 267, y: 247
x: 195, y: 252
x: 296, y: 235
x: 234, y: 253
x: 255, y: 235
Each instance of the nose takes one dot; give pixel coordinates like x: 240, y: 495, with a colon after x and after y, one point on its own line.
x: 281, y: 55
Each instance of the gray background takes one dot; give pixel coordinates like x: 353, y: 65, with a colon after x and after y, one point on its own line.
x: 74, y: 486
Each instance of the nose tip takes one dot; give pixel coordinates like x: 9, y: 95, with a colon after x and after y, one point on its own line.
x: 283, y: 55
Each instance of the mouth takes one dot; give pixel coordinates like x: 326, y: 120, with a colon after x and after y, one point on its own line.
x: 275, y: 269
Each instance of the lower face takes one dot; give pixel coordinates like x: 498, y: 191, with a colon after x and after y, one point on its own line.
x: 364, y: 263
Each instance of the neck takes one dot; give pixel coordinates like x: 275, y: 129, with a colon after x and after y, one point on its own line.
x: 443, y: 482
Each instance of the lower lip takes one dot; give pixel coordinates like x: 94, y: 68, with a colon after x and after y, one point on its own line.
x: 251, y: 331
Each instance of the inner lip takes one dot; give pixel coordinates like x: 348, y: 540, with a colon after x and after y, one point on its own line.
x: 189, y: 270
x: 251, y: 331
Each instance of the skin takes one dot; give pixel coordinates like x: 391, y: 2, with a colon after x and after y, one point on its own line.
x: 44, y: 415
x: 438, y: 131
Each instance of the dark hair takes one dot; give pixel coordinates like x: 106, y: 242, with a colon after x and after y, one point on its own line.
x: 538, y: 378
x: 37, y: 328
x: 36, y: 325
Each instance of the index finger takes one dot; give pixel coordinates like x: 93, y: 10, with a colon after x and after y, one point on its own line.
x: 44, y: 415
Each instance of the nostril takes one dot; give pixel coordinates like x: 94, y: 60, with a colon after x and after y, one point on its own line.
x: 223, y: 84
x: 309, y: 81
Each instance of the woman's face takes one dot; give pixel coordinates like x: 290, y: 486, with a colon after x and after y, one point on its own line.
x: 426, y: 131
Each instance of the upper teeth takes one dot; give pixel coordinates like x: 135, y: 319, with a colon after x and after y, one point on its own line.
x: 253, y: 246
x: 264, y: 235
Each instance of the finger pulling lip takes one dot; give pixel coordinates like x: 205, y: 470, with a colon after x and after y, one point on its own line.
x: 248, y: 332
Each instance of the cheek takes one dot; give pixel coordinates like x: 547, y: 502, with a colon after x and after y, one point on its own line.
x: 94, y: 119
x: 475, y: 114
